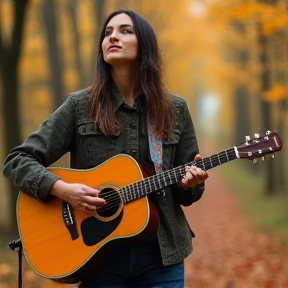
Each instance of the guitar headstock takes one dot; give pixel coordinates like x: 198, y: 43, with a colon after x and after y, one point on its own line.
x: 259, y: 146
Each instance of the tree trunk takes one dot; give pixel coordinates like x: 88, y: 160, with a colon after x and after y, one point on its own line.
x: 72, y: 7
x: 10, y: 54
x: 56, y: 71
x: 99, y: 8
x: 269, y: 187
x: 242, y: 117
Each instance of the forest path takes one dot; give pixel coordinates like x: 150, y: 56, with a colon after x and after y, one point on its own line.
x: 228, y: 253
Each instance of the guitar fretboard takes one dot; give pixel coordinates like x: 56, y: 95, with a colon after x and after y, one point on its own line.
x: 161, y: 180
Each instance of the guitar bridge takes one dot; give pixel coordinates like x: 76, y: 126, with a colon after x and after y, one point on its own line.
x: 69, y: 220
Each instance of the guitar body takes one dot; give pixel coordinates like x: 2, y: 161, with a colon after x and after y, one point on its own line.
x: 66, y: 245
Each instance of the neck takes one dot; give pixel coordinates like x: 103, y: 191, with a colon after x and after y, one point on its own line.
x: 127, y: 82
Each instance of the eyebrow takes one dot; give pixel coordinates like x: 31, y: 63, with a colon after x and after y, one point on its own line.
x: 121, y: 26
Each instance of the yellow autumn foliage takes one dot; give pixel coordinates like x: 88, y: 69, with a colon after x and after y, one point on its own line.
x: 200, y: 48
x: 269, y: 17
x: 277, y: 93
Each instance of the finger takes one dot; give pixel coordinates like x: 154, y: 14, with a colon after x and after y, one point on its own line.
x: 95, y: 201
x: 194, y: 173
x: 89, y: 209
x: 198, y: 157
x: 188, y: 177
x: 91, y: 191
x: 193, y: 170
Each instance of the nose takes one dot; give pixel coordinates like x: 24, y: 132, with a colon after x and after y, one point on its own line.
x: 113, y: 38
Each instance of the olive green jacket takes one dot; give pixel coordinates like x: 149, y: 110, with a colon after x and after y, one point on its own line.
x: 70, y: 129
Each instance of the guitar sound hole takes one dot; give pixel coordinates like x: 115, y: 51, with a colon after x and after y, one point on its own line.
x: 113, y: 201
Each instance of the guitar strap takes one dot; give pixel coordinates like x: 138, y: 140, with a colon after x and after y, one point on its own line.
x: 156, y: 150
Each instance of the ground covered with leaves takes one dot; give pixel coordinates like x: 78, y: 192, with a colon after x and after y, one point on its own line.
x: 228, y: 253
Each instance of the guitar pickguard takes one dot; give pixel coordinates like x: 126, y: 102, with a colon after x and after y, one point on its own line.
x: 94, y: 230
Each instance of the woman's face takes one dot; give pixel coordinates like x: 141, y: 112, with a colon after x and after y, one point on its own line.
x: 120, y: 44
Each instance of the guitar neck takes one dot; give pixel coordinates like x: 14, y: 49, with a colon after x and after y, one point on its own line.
x: 161, y: 180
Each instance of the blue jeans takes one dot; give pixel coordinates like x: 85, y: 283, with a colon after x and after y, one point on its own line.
x: 137, y: 266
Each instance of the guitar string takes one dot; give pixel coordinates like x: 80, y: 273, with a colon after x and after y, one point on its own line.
x: 160, y: 180
x: 212, y: 161
x: 166, y: 173
x: 113, y: 197
x: 166, y: 178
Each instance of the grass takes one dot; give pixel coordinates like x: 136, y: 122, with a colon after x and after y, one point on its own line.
x: 268, y: 213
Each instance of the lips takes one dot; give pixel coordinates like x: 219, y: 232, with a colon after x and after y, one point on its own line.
x: 114, y: 47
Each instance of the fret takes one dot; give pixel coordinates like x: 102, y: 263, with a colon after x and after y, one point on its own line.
x: 222, y: 157
x: 164, y: 180
x: 176, y: 176
x: 131, y: 189
x: 135, y: 187
x: 156, y: 181
x: 202, y: 166
x: 133, y: 194
x: 218, y: 159
x: 169, y: 179
x: 161, y: 179
x: 149, y: 184
x: 226, y: 155
x: 124, y: 194
x: 215, y: 160
x: 207, y: 163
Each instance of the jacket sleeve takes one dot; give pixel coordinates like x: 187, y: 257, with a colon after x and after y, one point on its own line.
x: 26, y: 165
x: 186, y: 150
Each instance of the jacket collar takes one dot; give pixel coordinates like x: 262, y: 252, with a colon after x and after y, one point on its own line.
x: 139, y: 101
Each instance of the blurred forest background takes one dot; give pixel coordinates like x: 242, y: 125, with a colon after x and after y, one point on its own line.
x: 228, y: 59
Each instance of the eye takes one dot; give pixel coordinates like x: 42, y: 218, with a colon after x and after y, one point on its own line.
x: 107, y: 32
x: 127, y: 31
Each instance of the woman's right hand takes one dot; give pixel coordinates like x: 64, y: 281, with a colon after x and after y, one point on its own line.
x: 80, y: 197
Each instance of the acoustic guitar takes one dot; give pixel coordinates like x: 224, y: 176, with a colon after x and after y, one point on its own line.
x: 66, y: 245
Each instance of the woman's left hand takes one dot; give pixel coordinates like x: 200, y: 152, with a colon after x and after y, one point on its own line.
x: 194, y: 175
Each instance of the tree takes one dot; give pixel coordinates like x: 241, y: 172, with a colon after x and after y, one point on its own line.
x: 268, y: 74
x: 72, y: 11
x: 56, y: 71
x: 10, y: 52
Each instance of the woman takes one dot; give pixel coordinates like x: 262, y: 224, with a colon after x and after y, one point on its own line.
x: 110, y: 118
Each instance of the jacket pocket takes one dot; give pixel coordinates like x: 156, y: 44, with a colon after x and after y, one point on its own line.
x: 93, y: 145
x: 169, y: 149
x: 173, y: 139
x: 87, y: 128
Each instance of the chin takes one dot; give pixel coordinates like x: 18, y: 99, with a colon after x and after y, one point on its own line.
x: 114, y: 61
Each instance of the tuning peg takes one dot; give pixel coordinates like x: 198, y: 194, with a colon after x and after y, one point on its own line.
x: 268, y: 132
x: 255, y: 161
x: 247, y: 138
x: 263, y: 158
x: 257, y: 135
x: 273, y: 156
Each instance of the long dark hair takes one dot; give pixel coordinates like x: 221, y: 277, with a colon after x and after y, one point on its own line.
x: 151, y: 73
